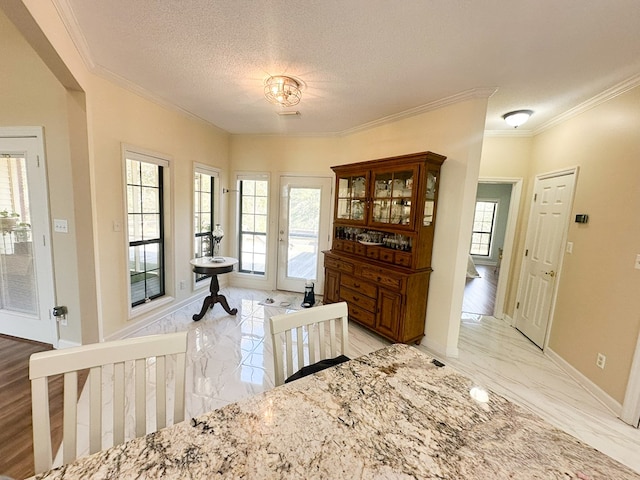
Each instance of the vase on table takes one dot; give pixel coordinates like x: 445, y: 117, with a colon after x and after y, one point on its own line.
x: 217, y: 235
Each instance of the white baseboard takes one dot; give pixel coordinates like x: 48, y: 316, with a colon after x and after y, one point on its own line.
x: 439, y: 350
x: 156, y: 315
x: 588, y: 385
x: 509, y: 320
x: 67, y: 344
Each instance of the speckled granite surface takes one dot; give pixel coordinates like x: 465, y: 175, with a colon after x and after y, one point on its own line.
x: 390, y: 414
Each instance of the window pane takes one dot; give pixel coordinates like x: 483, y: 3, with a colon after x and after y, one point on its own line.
x: 204, y: 185
x: 144, y: 222
x: 483, y: 222
x: 150, y: 200
x: 253, y: 225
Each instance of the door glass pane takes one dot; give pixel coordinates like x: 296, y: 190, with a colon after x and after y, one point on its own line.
x: 304, y: 228
x: 17, y: 274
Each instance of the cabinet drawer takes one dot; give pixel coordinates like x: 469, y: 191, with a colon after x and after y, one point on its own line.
x: 383, y: 278
x: 362, y: 316
x: 360, y: 249
x: 365, y: 288
x: 338, y: 244
x: 348, y: 247
x: 337, y: 264
x: 373, y: 252
x: 356, y: 298
x: 403, y: 259
x: 386, y: 255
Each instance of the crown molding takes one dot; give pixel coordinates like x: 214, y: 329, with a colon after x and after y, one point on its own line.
x: 427, y: 107
x: 618, y: 89
x: 70, y: 22
x: 513, y: 132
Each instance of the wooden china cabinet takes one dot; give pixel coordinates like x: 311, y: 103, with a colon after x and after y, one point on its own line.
x: 380, y: 257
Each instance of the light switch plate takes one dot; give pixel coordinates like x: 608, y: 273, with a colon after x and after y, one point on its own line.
x: 569, y: 247
x: 60, y: 226
x: 637, y: 265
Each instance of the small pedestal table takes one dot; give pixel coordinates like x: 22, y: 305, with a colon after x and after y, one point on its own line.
x: 206, y: 266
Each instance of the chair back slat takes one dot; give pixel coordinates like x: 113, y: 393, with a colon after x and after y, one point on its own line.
x: 119, y: 390
x: 289, y: 347
x: 300, y: 346
x: 41, y: 436
x: 321, y: 340
x: 178, y: 405
x: 141, y: 396
x: 161, y: 393
x: 95, y: 409
x: 70, y: 415
x: 125, y: 360
x: 314, y: 320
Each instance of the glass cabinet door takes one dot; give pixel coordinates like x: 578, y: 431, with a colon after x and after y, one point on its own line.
x: 430, y: 198
x: 392, y: 197
x: 352, y: 198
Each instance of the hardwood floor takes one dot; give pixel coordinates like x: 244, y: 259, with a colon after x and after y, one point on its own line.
x: 16, y: 441
x: 480, y: 293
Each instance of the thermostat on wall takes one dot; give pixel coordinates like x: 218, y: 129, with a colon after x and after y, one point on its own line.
x: 582, y: 218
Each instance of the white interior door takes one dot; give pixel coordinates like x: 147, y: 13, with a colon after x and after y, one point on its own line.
x: 546, y: 233
x: 26, y: 275
x: 303, y: 232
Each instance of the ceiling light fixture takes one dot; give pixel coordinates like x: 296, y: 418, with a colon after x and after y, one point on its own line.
x: 517, y: 117
x: 284, y: 91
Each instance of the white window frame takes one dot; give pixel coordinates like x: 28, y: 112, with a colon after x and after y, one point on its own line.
x: 165, y: 161
x: 214, y: 173
x: 266, y: 281
x: 493, y: 226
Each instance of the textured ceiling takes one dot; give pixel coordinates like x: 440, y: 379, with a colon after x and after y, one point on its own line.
x: 362, y: 60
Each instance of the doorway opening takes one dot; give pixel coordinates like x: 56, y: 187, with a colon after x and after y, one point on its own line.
x: 491, y: 246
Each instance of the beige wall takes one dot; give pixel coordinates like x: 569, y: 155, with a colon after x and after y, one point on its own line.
x: 598, y: 305
x: 32, y: 96
x: 509, y: 157
x: 120, y: 117
x: 86, y: 170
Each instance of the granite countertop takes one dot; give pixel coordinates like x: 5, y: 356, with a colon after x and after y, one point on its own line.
x: 391, y: 414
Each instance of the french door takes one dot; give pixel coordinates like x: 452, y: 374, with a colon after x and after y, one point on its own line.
x: 26, y: 274
x: 303, y: 231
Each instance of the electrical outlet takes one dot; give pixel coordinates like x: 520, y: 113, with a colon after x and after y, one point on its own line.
x: 637, y: 264
x: 182, y: 284
x: 601, y: 360
x: 569, y: 247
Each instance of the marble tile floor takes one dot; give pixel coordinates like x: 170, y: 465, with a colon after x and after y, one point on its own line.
x: 501, y: 359
x: 230, y: 358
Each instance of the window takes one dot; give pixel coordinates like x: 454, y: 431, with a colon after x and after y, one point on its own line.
x: 205, y: 187
x: 254, y: 196
x: 145, y: 226
x: 482, y: 234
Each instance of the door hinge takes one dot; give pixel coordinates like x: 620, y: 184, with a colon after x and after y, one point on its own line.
x: 535, y: 197
x: 38, y: 161
x: 44, y: 241
x: 517, y: 305
x: 526, y: 252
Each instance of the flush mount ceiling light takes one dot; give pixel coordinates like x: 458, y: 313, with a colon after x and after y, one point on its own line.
x: 284, y: 91
x: 517, y: 117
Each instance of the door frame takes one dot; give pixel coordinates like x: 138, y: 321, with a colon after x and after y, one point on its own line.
x: 509, y: 240
x: 44, y: 262
x: 574, y: 171
x: 326, y: 215
x: 631, y: 404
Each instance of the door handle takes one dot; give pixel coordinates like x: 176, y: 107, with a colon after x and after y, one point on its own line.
x: 551, y: 273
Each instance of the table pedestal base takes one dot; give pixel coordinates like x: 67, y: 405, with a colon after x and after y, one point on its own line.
x: 214, y: 298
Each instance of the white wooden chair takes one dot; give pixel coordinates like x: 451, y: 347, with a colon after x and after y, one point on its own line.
x: 138, y: 354
x: 314, y: 322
